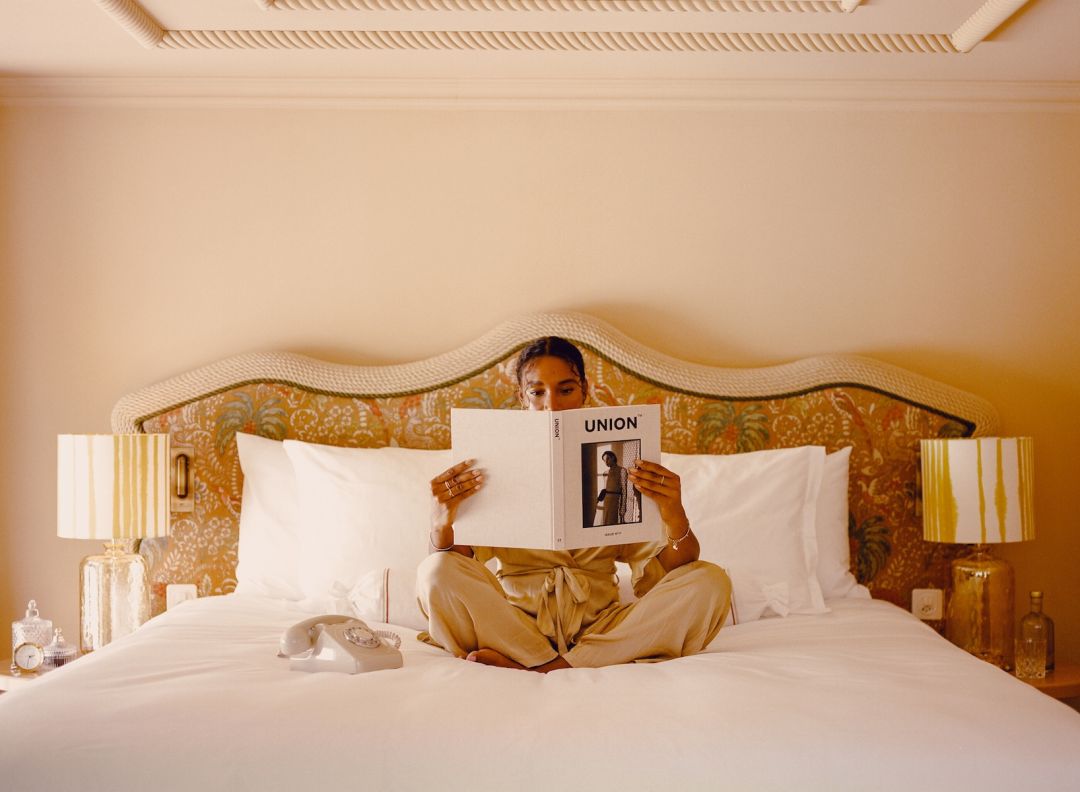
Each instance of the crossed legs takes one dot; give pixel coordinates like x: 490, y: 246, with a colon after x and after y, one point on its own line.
x: 469, y: 616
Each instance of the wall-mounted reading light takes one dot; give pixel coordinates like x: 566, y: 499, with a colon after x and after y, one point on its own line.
x: 182, y: 477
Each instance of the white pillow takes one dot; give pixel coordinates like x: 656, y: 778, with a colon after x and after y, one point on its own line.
x: 754, y: 515
x: 365, y: 515
x: 386, y: 594
x: 834, y: 550
x: 269, y: 538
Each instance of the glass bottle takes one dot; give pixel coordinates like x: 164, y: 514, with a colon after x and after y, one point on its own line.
x: 1038, y: 625
x: 1036, y: 607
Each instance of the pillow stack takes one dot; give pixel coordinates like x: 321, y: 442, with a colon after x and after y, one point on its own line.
x: 344, y: 529
x: 776, y: 521
x: 344, y: 535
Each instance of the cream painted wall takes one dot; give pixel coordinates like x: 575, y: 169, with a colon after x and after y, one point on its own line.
x: 137, y: 243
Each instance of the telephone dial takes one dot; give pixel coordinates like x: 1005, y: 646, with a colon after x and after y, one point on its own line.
x: 339, y: 643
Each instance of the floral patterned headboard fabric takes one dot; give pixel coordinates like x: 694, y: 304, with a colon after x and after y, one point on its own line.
x: 881, y: 411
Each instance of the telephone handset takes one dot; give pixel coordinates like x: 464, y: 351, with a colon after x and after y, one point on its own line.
x: 339, y: 643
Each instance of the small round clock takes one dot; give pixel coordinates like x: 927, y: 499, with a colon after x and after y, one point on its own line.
x: 28, y: 656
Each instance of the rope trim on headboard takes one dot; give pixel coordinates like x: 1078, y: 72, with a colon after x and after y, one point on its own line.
x: 790, y: 379
x: 136, y: 424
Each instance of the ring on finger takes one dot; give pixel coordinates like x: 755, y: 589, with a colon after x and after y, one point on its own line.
x: 662, y: 480
x: 448, y: 487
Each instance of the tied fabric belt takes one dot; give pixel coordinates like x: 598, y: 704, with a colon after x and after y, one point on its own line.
x: 561, y: 604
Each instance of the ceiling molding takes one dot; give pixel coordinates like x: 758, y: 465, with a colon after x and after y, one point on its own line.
x: 133, y: 18
x: 988, y: 17
x: 559, y: 41
x: 526, y: 94
x: 617, y: 6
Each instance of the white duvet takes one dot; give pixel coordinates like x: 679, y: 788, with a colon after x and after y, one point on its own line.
x: 864, y: 697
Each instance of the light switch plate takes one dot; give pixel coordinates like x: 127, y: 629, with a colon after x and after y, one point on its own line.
x: 927, y: 604
x: 175, y: 593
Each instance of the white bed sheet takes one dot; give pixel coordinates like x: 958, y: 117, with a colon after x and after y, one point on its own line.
x: 864, y: 697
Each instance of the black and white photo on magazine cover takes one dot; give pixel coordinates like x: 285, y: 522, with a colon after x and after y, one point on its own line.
x: 608, y: 497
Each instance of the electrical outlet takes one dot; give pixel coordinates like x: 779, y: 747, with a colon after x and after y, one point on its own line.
x: 927, y: 604
x: 175, y: 593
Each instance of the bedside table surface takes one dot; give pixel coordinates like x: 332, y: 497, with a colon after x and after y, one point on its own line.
x: 1061, y: 683
x: 8, y: 681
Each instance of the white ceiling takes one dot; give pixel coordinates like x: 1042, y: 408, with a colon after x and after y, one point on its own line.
x: 1034, y: 51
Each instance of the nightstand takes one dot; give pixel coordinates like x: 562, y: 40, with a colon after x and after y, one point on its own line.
x: 9, y: 681
x: 1061, y: 683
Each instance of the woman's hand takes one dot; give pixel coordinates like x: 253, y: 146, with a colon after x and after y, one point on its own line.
x: 449, y: 490
x: 664, y: 488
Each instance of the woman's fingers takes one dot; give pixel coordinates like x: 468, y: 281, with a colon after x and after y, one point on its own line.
x: 653, y: 478
x: 663, y: 487
x: 462, y: 488
x: 452, y: 478
x: 453, y: 472
x: 654, y: 492
x: 457, y: 483
x: 468, y: 489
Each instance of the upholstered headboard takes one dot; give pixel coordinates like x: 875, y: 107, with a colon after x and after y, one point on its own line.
x: 880, y: 410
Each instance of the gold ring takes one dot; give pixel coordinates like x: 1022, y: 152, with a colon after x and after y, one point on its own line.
x: 662, y: 480
x: 448, y: 487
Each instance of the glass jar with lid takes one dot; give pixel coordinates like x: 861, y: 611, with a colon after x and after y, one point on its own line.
x: 32, y: 629
x: 59, y: 652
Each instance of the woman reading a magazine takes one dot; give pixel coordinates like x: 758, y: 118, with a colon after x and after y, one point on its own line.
x: 550, y: 609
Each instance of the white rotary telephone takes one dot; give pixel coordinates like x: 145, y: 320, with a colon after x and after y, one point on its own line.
x: 339, y: 643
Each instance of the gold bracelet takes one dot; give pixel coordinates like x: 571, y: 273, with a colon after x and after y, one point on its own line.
x: 439, y: 549
x: 675, y: 542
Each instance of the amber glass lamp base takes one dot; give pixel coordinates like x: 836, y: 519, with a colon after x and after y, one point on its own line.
x: 980, y: 614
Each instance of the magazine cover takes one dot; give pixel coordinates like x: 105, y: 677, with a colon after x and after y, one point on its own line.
x: 557, y: 480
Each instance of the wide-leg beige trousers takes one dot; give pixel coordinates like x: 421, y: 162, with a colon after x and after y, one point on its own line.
x: 467, y: 609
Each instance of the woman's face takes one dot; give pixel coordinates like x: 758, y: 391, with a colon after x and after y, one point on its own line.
x: 548, y: 383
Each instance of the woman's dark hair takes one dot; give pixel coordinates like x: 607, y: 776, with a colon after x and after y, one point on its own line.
x: 551, y: 346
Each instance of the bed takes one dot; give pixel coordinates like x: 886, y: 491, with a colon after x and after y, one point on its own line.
x: 820, y: 680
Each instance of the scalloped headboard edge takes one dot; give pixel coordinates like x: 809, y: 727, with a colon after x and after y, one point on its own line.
x: 878, y: 409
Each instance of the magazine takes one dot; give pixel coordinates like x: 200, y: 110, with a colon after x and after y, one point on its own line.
x: 557, y: 480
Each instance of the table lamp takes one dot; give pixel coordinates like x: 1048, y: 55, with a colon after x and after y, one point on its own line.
x: 114, y: 488
x: 979, y: 492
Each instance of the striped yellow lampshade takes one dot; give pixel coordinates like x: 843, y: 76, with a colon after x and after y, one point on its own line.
x: 112, y: 486
x: 978, y: 491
